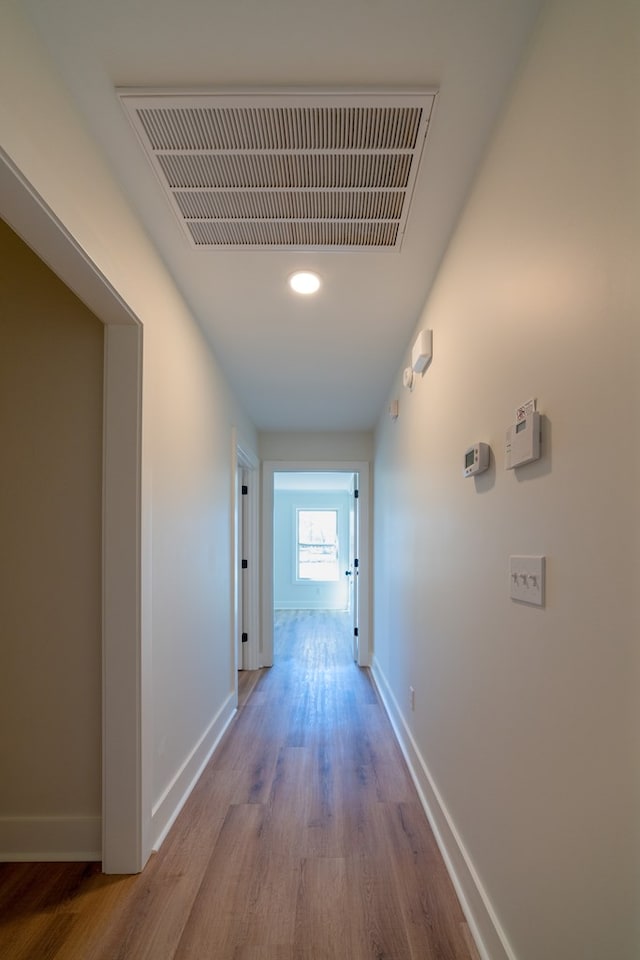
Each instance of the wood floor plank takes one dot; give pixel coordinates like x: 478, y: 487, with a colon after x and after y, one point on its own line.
x: 431, y: 913
x: 217, y: 923
x: 99, y: 908
x: 270, y: 914
x: 32, y: 889
x: 39, y: 906
x: 328, y: 921
x: 376, y: 898
x: 304, y: 839
x: 238, y: 782
x: 250, y: 951
x: 252, y: 737
x: 46, y: 937
x: 152, y: 921
x: 394, y: 784
x: 340, y: 797
x: 471, y: 946
x: 287, y: 821
x: 247, y: 680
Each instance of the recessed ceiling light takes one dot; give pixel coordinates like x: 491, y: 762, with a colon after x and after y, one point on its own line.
x: 304, y: 282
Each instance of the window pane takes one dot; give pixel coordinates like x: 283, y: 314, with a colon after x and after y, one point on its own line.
x: 317, y: 544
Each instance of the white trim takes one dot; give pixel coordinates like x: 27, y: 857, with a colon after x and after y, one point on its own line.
x: 122, y: 721
x: 243, y: 456
x: 177, y: 792
x: 271, y: 467
x: 295, y: 534
x: 235, y: 599
x: 485, y: 927
x: 49, y: 839
x: 29, y: 216
x: 126, y: 812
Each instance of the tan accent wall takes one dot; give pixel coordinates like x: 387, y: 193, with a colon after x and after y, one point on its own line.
x: 51, y: 373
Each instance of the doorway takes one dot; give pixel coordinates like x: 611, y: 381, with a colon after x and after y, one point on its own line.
x: 245, y: 559
x: 126, y: 756
x: 315, y: 548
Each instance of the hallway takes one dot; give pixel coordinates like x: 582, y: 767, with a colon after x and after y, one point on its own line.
x: 303, y: 840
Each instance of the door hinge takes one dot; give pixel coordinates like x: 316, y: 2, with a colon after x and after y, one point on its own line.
x: 245, y: 564
x: 245, y: 637
x: 355, y: 631
x: 245, y: 489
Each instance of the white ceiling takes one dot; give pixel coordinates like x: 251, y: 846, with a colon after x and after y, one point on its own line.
x: 324, y: 363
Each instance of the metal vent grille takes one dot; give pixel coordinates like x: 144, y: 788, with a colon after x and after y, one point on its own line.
x: 321, y: 172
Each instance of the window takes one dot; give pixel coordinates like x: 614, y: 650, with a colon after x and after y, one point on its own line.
x: 317, y: 544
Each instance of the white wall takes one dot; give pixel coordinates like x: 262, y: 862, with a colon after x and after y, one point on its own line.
x: 316, y: 446
x: 289, y: 593
x: 187, y: 417
x: 525, y: 730
x: 51, y: 356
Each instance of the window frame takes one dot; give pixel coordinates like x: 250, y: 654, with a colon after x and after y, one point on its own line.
x: 297, y: 542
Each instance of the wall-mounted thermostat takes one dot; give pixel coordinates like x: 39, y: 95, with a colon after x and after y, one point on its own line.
x: 476, y: 459
x: 523, y: 441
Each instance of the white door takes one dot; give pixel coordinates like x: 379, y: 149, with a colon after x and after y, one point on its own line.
x: 239, y: 577
x: 354, y: 562
x: 242, y: 561
x: 246, y: 515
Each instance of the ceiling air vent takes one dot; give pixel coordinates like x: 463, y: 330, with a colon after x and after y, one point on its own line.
x: 282, y: 171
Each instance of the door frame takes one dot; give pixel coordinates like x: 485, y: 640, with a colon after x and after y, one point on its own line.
x: 126, y: 711
x: 354, y: 586
x: 242, y: 457
x: 269, y: 469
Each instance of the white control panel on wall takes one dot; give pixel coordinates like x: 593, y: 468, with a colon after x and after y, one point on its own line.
x: 522, y: 443
x: 526, y: 576
x: 476, y: 459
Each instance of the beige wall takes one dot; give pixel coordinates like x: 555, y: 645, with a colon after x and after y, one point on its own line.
x: 316, y: 446
x: 525, y: 725
x: 51, y: 354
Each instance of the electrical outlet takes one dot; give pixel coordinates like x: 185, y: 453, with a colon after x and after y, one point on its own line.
x: 412, y: 698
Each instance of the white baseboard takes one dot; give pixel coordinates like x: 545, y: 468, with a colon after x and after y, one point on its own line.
x: 490, y: 939
x: 50, y: 839
x: 176, y: 794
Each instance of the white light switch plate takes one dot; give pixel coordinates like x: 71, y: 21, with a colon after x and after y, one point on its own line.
x: 526, y: 577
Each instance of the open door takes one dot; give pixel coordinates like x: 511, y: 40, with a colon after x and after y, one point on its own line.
x: 354, y: 562
x: 245, y: 566
x: 241, y: 561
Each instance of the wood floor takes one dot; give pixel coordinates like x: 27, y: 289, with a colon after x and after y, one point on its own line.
x: 303, y: 840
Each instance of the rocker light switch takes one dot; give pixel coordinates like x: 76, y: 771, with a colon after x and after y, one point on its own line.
x: 526, y: 578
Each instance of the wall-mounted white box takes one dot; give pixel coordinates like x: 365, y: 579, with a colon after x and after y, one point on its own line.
x: 422, y: 351
x: 526, y: 578
x: 522, y: 442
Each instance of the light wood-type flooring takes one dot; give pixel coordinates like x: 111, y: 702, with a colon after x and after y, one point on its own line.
x: 303, y: 840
